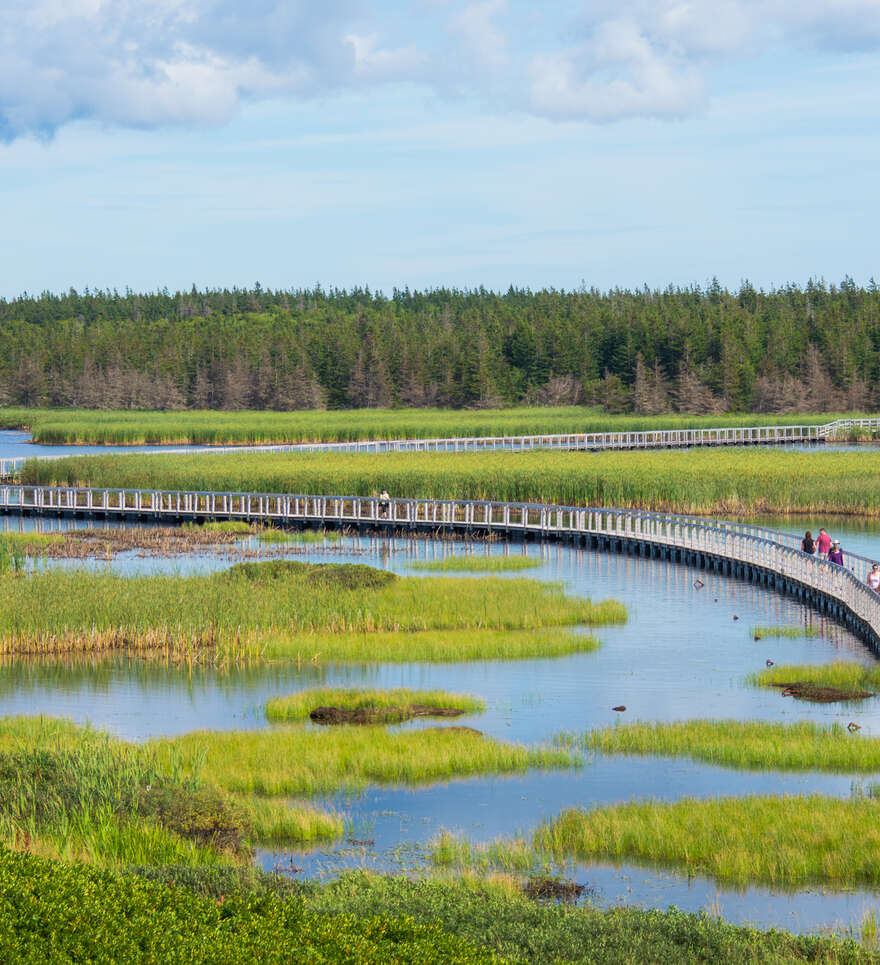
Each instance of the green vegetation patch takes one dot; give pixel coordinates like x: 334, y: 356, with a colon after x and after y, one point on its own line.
x: 59, y: 913
x: 272, y: 608
x: 839, y: 680
x: 496, y: 914
x: 802, y: 746
x: 80, y: 794
x: 304, y: 761
x: 783, y: 630
x: 371, y: 706
x: 478, y: 564
x: 96, y: 427
x: 710, y: 481
x: 437, y: 646
x: 775, y: 840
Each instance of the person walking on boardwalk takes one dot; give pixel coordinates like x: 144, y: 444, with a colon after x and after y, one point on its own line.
x: 835, y: 556
x: 823, y: 544
x: 384, y: 503
x: 808, y: 545
x: 874, y: 578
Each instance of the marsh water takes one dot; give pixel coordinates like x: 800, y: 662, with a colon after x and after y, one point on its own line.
x: 685, y: 652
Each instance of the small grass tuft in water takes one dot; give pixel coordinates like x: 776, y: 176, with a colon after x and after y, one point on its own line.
x: 478, y: 564
x: 387, y: 706
x: 783, y: 630
x: 839, y: 680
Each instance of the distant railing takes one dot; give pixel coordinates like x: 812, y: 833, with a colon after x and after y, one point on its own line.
x: 584, y: 441
x: 762, y: 549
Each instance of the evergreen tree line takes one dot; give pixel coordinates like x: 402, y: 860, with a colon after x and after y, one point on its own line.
x: 813, y: 348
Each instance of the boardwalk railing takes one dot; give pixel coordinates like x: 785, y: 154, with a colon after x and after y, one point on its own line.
x: 753, y: 551
x: 584, y: 441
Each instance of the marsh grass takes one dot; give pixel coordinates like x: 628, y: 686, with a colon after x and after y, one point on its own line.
x: 96, y: 427
x: 79, y: 794
x: 263, y: 533
x: 397, y: 703
x: 478, y: 564
x: 787, y: 840
x: 802, y: 746
x: 840, y: 675
x: 277, y: 608
x: 783, y: 630
x: 429, y: 646
x: 701, y: 481
x: 301, y: 761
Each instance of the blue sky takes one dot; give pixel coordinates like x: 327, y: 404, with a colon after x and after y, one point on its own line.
x: 437, y: 142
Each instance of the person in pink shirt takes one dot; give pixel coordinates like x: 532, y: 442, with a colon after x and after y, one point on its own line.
x: 823, y: 544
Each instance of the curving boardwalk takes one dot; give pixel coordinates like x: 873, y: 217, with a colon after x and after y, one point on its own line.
x: 752, y: 552
x: 577, y: 441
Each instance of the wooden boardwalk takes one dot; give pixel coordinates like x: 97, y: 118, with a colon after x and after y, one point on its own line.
x: 578, y: 441
x: 762, y: 555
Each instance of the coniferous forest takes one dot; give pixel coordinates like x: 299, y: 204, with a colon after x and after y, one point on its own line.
x: 700, y: 350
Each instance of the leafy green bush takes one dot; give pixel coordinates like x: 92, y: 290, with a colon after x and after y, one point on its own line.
x: 61, y: 913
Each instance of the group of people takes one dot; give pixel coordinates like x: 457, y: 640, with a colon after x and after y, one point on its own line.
x: 829, y: 549
x: 823, y: 546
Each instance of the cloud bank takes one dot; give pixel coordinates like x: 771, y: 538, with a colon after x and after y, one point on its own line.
x: 153, y: 63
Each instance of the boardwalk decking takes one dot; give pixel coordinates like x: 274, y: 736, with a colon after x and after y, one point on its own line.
x: 752, y: 552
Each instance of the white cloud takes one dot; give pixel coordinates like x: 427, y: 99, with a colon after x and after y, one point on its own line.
x: 159, y: 62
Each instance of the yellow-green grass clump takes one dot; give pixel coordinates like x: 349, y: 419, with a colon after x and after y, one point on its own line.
x: 395, y: 704
x: 709, y: 481
x: 301, y: 761
x: 802, y: 746
x: 774, y: 840
x: 847, y: 679
x: 96, y: 427
x: 256, y: 609
x: 431, y: 646
x: 77, y: 794
x: 478, y: 564
x: 783, y: 630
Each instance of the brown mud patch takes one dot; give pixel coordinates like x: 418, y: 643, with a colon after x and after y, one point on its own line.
x: 804, y: 690
x: 381, y: 715
x: 552, y: 889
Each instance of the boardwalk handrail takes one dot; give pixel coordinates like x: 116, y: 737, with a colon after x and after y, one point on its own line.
x: 758, y: 548
x: 588, y: 441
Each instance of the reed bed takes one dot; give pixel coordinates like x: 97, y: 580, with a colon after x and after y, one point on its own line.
x: 782, y: 841
x: 478, y: 564
x: 301, y: 761
x: 266, y: 608
x: 802, y: 746
x: 298, y: 706
x: 743, y: 482
x: 91, y: 427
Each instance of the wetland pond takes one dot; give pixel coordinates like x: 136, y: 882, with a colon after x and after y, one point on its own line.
x: 682, y: 654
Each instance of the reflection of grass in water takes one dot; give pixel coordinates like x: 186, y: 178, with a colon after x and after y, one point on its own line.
x: 802, y: 746
x: 297, y: 536
x: 304, y: 761
x: 265, y: 607
x: 299, y: 705
x: 775, y: 840
x: 478, y: 564
x: 840, y: 674
x: 783, y: 630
